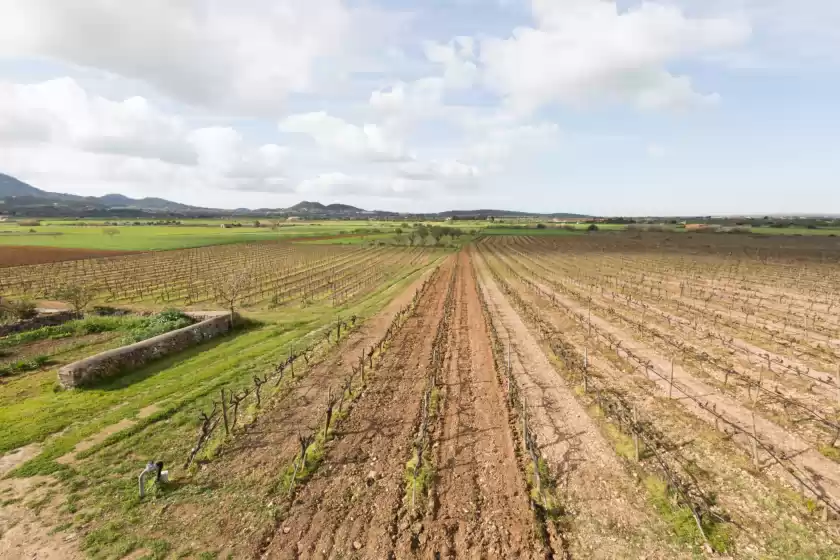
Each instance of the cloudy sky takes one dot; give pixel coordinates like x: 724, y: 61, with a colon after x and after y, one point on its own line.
x: 594, y: 106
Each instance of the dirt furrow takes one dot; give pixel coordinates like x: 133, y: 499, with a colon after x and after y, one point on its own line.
x: 257, y: 456
x: 481, y: 503
x: 766, y: 520
x: 821, y: 471
x: 352, y: 502
x: 607, y: 516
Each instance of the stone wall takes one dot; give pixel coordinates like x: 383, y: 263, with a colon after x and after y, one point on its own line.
x: 42, y: 320
x: 121, y: 360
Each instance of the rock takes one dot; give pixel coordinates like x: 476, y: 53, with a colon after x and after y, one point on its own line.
x: 370, y: 478
x: 286, y: 530
x: 357, y: 545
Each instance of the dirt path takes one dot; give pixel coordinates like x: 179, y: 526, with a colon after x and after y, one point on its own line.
x: 481, y: 502
x: 352, y: 503
x: 608, y: 514
x: 819, y: 470
x: 29, y: 508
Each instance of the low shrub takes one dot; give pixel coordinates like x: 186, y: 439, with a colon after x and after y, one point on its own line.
x: 163, y: 322
x: 23, y: 366
x: 137, y: 328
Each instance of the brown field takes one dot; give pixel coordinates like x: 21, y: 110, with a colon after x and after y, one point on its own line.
x: 593, y: 396
x: 13, y: 255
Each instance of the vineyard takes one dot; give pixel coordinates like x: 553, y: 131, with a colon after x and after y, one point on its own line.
x: 574, y: 396
x: 268, y: 274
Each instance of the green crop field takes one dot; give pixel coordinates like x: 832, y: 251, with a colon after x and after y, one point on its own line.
x: 153, y: 238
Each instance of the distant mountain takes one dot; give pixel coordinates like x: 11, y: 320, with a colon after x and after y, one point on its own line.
x: 9, y: 186
x: 21, y: 199
x: 306, y: 206
x: 148, y: 203
x: 19, y: 196
x: 343, y: 208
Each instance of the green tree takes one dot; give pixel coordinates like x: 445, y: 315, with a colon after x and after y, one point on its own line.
x: 79, y: 296
x: 421, y: 232
x: 437, y: 233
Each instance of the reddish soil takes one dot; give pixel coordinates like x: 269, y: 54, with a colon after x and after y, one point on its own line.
x: 609, y: 516
x: 481, y: 506
x: 320, y: 237
x: 16, y: 255
x: 258, y: 456
x: 751, y: 499
x: 822, y: 472
x: 352, y: 504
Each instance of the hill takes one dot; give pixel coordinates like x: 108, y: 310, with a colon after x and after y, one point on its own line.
x: 9, y: 186
x: 21, y: 199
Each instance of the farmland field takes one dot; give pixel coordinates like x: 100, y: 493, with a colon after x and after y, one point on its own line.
x: 97, y: 235
x: 603, y: 395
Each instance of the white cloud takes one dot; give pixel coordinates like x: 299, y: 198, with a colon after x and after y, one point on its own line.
x: 498, y: 140
x: 61, y: 111
x: 369, y: 142
x: 584, y: 51
x: 341, y: 184
x: 449, y: 174
x: 786, y: 33
x: 57, y: 123
x: 457, y: 58
x: 246, y: 56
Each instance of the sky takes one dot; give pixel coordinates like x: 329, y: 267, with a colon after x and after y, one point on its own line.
x: 606, y: 107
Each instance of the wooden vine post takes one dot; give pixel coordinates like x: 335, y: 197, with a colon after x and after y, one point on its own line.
x: 224, y: 412
x: 636, y: 434
x: 671, y: 382
x: 756, y: 396
x: 586, y: 370
x: 330, y: 405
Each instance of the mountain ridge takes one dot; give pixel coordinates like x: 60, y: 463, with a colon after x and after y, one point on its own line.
x: 20, y: 198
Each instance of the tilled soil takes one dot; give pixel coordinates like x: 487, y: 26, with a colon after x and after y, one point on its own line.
x: 11, y: 255
x: 767, y: 523
x: 607, y: 513
x: 481, y: 506
x: 822, y: 472
x: 258, y: 456
x: 352, y: 504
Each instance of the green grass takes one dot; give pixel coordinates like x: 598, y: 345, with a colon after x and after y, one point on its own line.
x: 796, y: 231
x: 137, y: 328
x: 153, y: 238
x: 100, y: 486
x: 682, y: 522
x: 23, y: 366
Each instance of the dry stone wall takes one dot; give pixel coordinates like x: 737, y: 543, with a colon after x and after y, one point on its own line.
x: 121, y: 360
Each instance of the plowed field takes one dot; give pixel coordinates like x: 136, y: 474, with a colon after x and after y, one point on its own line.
x: 15, y: 256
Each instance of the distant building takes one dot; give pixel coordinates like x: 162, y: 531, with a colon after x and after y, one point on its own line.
x: 293, y: 219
